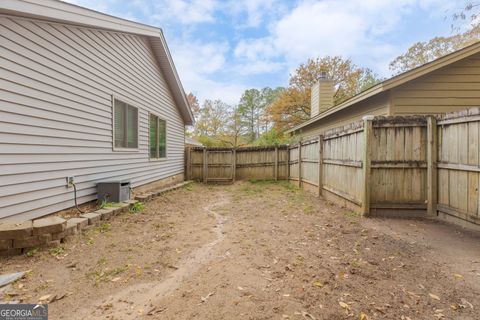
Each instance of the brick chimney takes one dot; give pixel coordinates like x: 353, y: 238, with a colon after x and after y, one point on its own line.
x: 322, y: 95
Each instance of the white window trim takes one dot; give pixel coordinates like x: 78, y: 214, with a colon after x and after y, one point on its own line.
x: 121, y: 149
x: 166, y: 137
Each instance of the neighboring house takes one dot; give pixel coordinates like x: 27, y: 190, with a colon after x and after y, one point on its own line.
x: 447, y: 84
x: 83, y: 94
x: 190, y: 142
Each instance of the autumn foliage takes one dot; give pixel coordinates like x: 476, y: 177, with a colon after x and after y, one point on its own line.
x: 293, y: 105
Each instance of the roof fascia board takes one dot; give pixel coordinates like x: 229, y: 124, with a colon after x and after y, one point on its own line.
x: 164, y: 59
x: 66, y: 13
x: 360, y: 97
x: 59, y: 11
x: 397, y: 81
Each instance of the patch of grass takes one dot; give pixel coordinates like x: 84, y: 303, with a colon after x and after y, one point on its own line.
x: 56, y: 251
x: 308, y: 209
x: 32, y: 252
x: 137, y: 207
x: 288, y: 185
x: 352, y: 214
x: 102, y: 228
x: 105, y: 274
x: 106, y: 204
x: 250, y: 190
x: 190, y: 186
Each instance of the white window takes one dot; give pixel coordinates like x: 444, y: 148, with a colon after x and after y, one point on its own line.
x: 158, y: 137
x: 125, y: 129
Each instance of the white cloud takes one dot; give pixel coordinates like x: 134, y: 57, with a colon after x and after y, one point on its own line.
x: 252, y: 13
x: 185, y: 11
x: 197, y: 63
x: 350, y: 28
x: 262, y: 38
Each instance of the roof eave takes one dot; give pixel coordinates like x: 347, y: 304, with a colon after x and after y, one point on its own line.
x: 379, y: 88
x: 62, y: 12
x: 396, y: 81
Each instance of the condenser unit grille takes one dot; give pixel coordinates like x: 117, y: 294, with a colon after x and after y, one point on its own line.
x: 113, y: 191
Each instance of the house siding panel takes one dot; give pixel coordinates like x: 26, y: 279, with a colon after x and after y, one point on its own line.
x: 56, y: 86
x: 451, y: 88
x: 376, y: 106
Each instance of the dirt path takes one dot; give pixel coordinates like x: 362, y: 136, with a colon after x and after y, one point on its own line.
x: 139, y: 299
x: 257, y: 251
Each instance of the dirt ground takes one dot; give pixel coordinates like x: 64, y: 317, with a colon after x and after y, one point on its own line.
x: 254, y: 250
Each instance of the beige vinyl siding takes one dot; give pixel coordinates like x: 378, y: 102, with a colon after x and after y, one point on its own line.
x: 56, y: 87
x: 378, y: 105
x: 451, y: 88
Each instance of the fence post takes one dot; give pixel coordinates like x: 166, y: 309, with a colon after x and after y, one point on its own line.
x: 300, y: 163
x: 188, y: 164
x: 234, y: 164
x: 367, y: 161
x: 205, y: 165
x: 432, y: 148
x: 288, y: 163
x: 320, y: 164
x: 276, y: 163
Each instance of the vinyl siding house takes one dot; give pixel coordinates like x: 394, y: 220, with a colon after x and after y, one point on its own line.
x: 447, y: 84
x: 83, y: 94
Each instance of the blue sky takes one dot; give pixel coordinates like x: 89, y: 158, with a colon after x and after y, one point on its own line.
x: 221, y: 48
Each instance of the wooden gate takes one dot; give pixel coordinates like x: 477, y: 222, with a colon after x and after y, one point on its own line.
x: 218, y: 165
x: 229, y: 164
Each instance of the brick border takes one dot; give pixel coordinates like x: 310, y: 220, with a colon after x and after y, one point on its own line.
x: 50, y: 231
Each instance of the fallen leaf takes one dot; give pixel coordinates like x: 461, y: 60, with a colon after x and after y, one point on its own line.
x: 45, y: 297
x: 343, y: 305
x: 116, y: 279
x: 308, y: 316
x: 458, y: 276
x: 318, y: 284
x: 155, y: 311
x: 204, y: 299
x: 434, y: 296
x: 363, y: 316
x: 465, y: 302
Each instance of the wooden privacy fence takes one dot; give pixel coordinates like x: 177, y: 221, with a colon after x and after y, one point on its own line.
x: 413, y: 165
x: 372, y: 166
x: 230, y: 164
x: 427, y: 165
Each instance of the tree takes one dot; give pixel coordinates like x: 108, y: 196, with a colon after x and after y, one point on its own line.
x: 291, y: 108
x: 423, y: 52
x: 195, y: 107
x: 470, y: 11
x: 211, y: 120
x: 251, y: 111
x: 293, y: 104
x: 193, y: 103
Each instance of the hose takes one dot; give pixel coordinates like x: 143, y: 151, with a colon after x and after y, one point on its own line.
x: 75, y: 196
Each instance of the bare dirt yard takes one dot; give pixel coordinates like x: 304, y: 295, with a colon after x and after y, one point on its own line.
x: 254, y: 250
